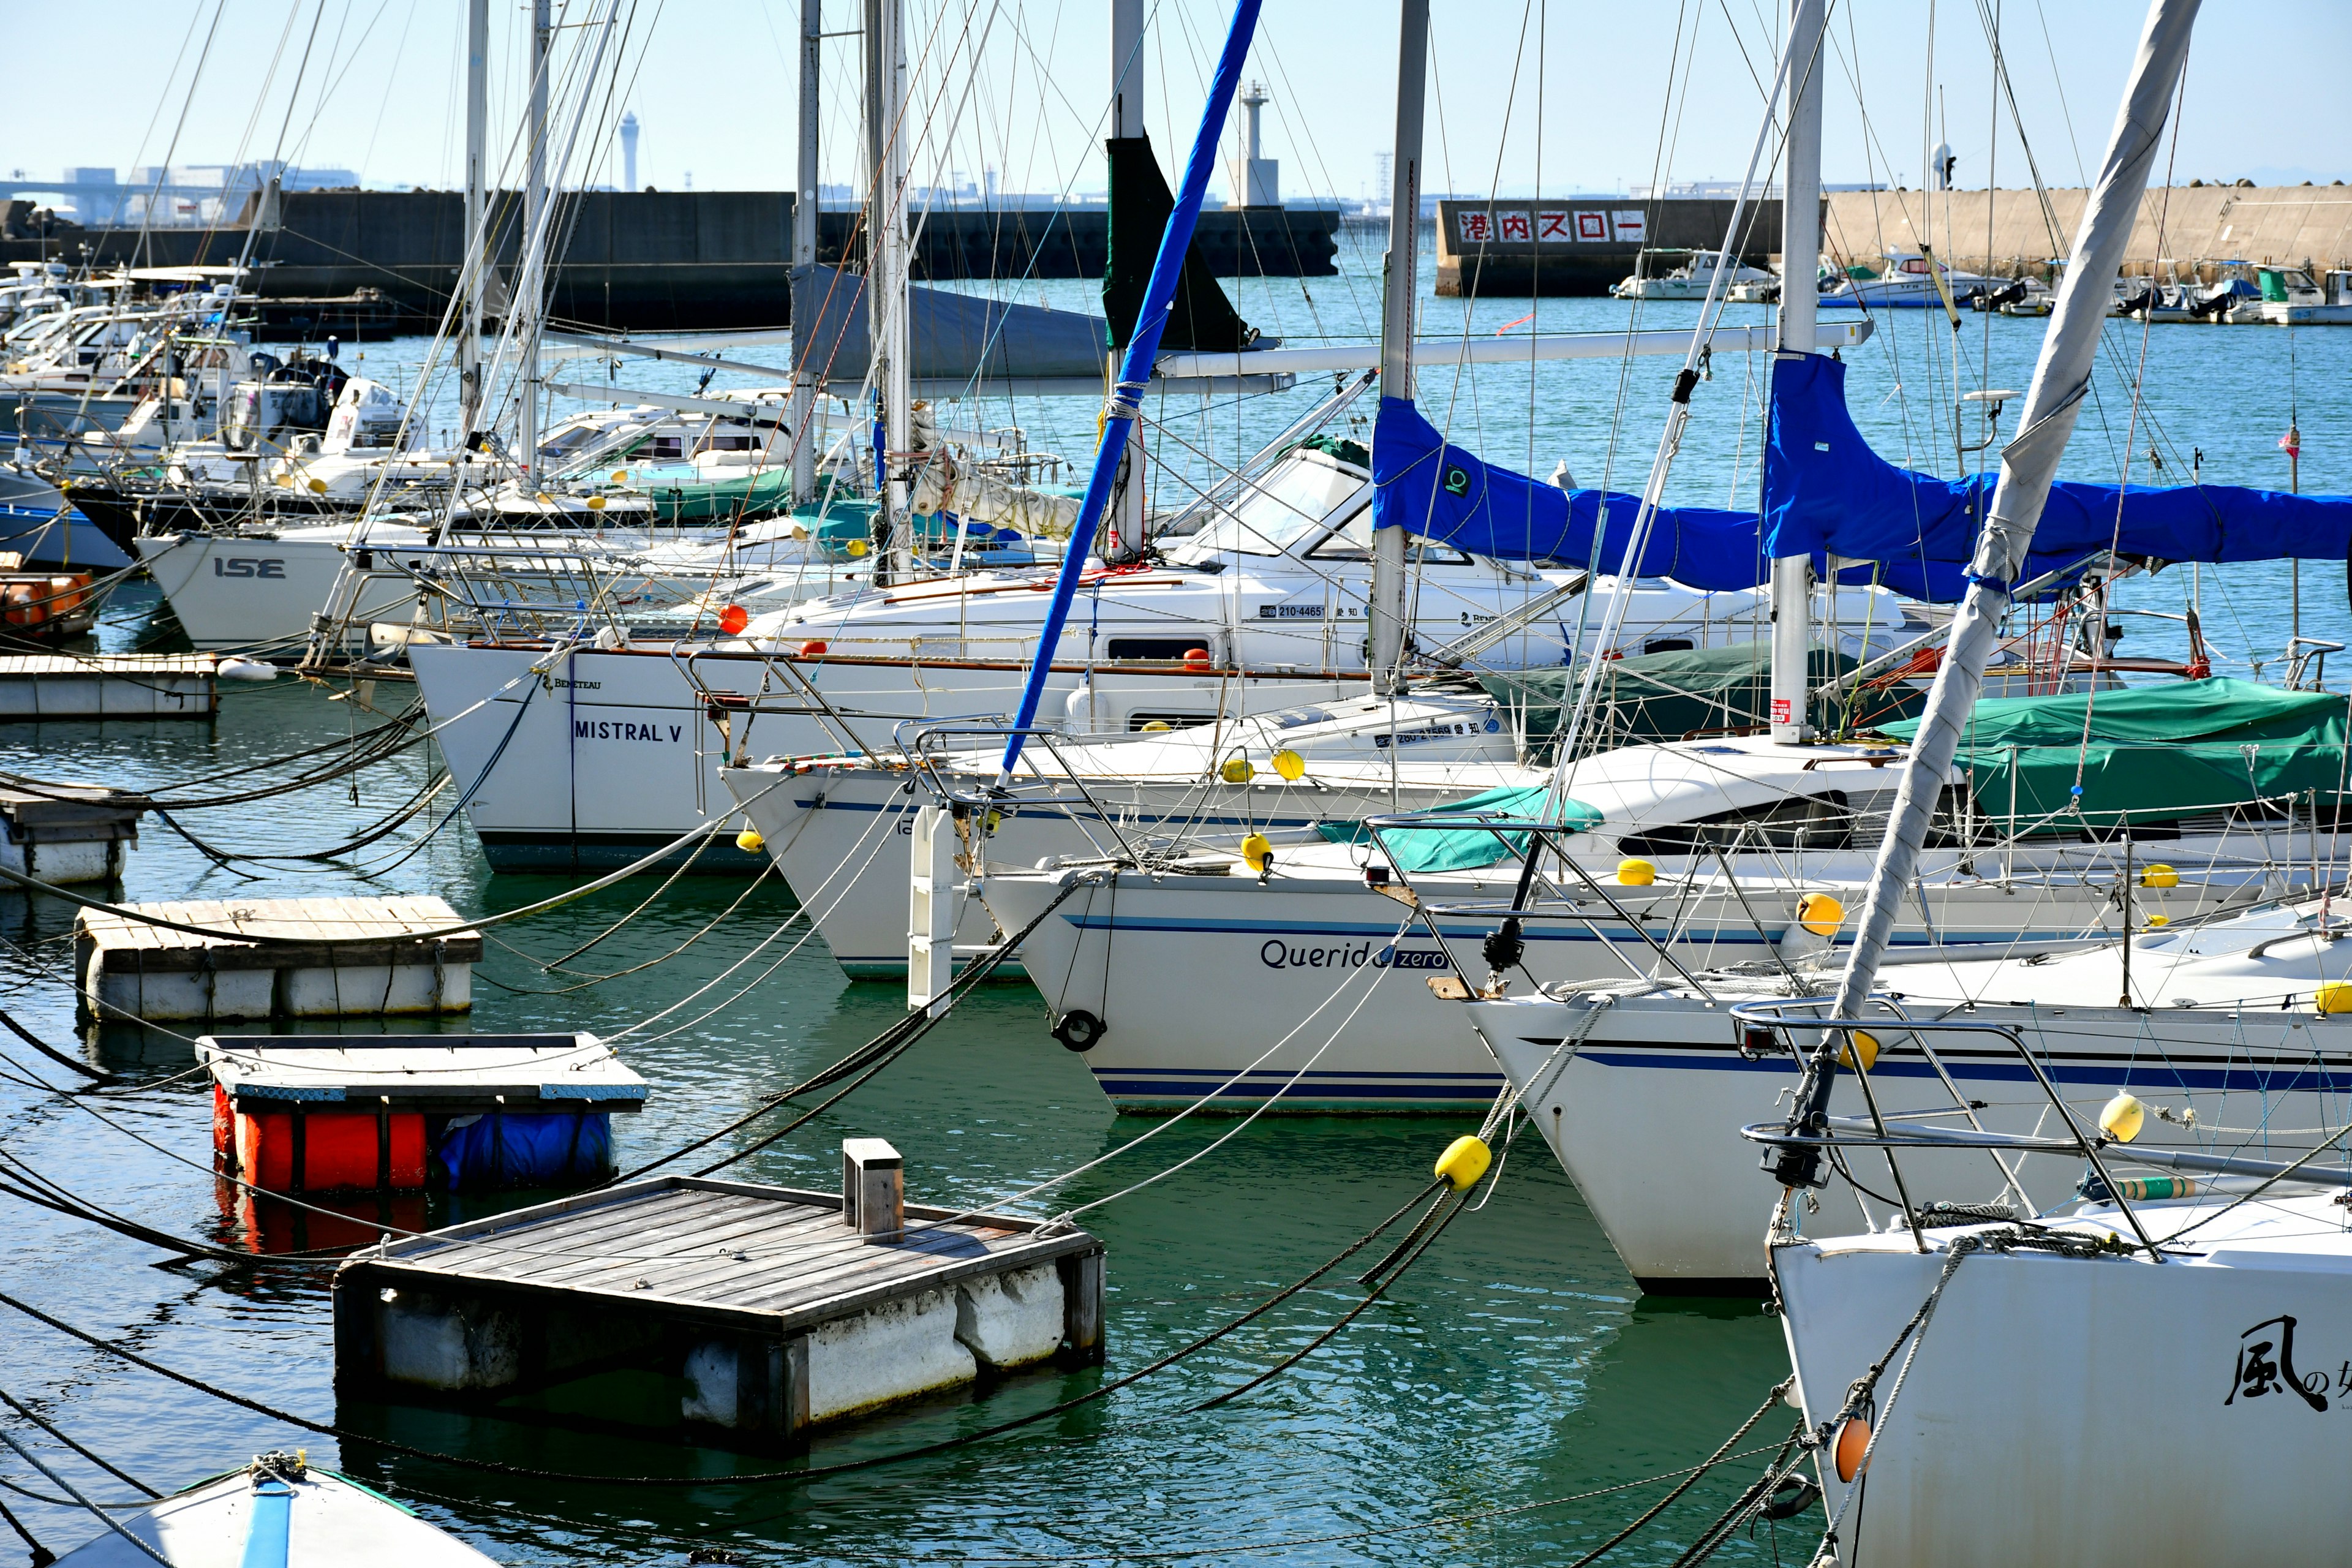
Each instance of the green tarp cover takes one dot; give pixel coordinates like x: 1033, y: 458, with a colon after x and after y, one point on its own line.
x: 1464, y: 848
x: 1666, y: 696
x: 2151, y: 753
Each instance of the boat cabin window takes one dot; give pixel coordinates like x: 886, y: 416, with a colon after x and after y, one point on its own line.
x: 727, y: 444
x: 1824, y: 821
x: 665, y: 450
x: 1169, y: 648
x: 1290, y: 504
x: 1352, y: 541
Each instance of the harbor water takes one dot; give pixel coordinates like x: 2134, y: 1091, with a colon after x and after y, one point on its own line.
x: 1480, y: 1413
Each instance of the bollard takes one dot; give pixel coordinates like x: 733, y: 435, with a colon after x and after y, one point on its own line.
x: 873, y: 1187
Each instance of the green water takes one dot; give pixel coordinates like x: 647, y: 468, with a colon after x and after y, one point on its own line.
x: 1513, y: 1366
x: 1511, y: 1369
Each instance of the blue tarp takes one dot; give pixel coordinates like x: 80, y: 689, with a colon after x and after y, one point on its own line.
x: 484, y: 1154
x: 1829, y: 493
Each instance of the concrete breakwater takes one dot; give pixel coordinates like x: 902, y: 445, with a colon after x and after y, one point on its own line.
x: 2013, y: 232
x: 646, y: 261
x: 1582, y: 245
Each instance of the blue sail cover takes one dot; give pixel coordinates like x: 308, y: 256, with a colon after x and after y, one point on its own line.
x: 1829, y: 493
x: 1427, y: 487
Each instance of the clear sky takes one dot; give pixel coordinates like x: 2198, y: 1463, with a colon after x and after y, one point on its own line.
x: 1566, y: 98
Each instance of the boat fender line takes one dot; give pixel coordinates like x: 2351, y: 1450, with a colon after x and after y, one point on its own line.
x: 1862, y: 1396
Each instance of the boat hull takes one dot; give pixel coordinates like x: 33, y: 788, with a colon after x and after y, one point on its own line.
x: 1292, y: 956
x: 2053, y: 1400
x: 607, y: 754
x: 842, y: 839
x: 1645, y: 1112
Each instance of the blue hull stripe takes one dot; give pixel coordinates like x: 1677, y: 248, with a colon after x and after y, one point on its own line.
x: 1343, y: 929
x: 2158, y: 1074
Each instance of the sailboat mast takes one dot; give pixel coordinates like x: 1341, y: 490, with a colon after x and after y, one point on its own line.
x: 1801, y: 247
x: 800, y: 416
x: 477, y: 264
x: 1127, y: 79
x: 1399, y: 293
x: 534, y: 196
x: 885, y: 274
x: 2028, y: 466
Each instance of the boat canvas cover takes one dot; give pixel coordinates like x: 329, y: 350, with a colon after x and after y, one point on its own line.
x: 2151, y: 753
x: 1826, y: 492
x: 1464, y: 848
x: 1686, y: 692
x: 951, y: 336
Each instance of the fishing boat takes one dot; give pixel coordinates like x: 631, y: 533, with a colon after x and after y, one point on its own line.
x: 2291, y: 297
x: 280, y: 1509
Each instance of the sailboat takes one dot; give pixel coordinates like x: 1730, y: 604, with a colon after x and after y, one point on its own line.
x: 1267, y: 603
x: 279, y: 1510
x: 1662, y: 858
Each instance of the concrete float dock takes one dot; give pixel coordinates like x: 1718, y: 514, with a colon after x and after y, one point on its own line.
x: 72, y: 833
x: 721, y: 1310
x: 108, y: 686
x: 319, y: 958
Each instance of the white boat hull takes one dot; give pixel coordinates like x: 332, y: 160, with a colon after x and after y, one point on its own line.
x: 1292, y: 958
x: 326, y: 1522
x: 2088, y: 1411
x: 1645, y: 1112
x: 841, y: 835
x: 609, y: 755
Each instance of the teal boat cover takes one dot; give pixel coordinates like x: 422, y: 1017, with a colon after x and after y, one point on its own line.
x: 1458, y: 848
x: 2152, y: 754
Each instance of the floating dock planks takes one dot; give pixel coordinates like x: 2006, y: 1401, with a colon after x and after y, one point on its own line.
x: 327, y: 1112
x: 128, y: 967
x: 108, y: 686
x: 71, y: 833
x: 722, y: 1309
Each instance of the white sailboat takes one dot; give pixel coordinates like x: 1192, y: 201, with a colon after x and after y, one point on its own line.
x: 1640, y: 1088
x: 279, y: 1510
x: 836, y: 826
x: 2042, y: 1411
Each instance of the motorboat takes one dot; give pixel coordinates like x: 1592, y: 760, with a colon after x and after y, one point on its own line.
x: 1700, y: 274
x: 1908, y: 283
x: 2289, y: 297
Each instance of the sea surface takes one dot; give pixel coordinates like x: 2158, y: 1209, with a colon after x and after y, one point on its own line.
x: 1476, y: 1414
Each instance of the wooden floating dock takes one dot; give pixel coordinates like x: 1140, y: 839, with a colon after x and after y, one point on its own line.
x: 110, y: 686
x: 337, y: 1112
x: 127, y: 967
x: 73, y: 832
x: 721, y: 1310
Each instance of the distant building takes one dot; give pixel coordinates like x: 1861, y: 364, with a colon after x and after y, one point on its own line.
x: 183, y: 195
